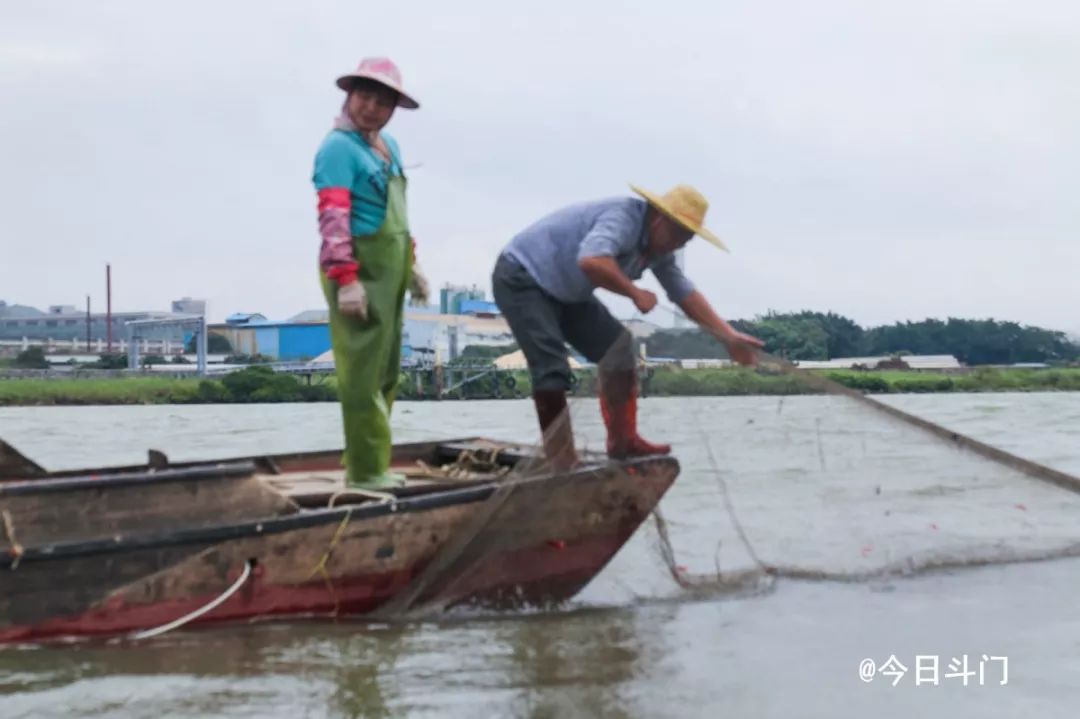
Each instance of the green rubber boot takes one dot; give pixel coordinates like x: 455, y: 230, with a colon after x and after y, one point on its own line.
x: 386, y: 480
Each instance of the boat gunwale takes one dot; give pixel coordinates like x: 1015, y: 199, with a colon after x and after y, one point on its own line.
x: 261, y: 461
x: 238, y: 468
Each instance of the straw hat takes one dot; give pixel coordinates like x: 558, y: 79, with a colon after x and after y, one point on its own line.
x: 383, y: 71
x: 686, y: 206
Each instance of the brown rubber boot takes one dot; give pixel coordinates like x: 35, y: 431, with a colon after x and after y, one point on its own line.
x: 558, y: 435
x: 618, y: 406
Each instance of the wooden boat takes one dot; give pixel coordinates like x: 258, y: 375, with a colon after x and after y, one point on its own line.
x: 119, y: 551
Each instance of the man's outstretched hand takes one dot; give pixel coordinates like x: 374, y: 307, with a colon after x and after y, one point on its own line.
x: 742, y: 347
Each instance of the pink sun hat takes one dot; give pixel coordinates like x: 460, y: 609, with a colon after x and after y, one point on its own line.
x: 383, y: 71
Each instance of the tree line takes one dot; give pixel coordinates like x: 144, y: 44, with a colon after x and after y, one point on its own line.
x: 810, y: 335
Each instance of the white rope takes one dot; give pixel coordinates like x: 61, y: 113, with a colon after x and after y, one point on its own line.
x: 383, y: 497
x: 176, y: 623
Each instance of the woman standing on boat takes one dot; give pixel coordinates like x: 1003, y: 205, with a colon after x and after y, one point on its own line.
x: 366, y: 262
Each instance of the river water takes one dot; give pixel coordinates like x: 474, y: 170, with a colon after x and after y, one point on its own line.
x: 816, y: 486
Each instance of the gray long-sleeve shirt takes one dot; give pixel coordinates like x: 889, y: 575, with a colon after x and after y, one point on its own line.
x: 551, y: 248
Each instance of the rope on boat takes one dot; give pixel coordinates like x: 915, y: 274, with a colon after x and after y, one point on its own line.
x: 471, y: 464
x: 383, y: 497
x: 405, y: 601
x: 177, y: 623
x: 320, y: 566
x: 16, y: 550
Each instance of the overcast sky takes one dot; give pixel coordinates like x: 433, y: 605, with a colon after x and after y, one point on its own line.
x: 887, y: 161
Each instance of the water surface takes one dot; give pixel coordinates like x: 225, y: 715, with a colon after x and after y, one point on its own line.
x: 814, y: 482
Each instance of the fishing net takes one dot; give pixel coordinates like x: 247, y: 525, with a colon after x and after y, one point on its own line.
x: 835, y: 487
x: 851, y: 494
x: 832, y: 486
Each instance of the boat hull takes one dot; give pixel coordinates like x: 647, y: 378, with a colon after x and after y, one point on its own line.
x: 528, y: 541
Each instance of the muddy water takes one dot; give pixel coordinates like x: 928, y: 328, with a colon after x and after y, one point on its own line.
x: 814, y: 485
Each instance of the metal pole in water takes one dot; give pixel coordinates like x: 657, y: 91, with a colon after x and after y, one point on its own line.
x: 108, y: 309
x: 439, y: 379
x: 200, y: 345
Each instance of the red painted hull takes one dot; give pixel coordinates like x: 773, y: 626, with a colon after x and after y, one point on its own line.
x: 558, y: 574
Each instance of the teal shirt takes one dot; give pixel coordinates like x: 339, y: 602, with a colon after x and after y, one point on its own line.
x: 345, y: 160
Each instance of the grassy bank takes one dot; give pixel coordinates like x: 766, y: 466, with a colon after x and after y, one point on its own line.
x: 738, y: 381
x: 260, y: 384
x: 256, y: 384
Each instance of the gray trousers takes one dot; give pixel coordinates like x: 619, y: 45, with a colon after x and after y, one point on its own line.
x: 542, y: 327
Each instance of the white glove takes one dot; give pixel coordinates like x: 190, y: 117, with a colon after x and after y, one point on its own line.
x: 418, y: 287
x: 352, y: 300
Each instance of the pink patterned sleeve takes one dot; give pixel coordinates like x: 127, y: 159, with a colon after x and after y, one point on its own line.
x: 336, y: 254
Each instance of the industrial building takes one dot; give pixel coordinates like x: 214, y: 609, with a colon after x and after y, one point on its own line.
x: 464, y: 318
x: 62, y: 325
x: 472, y: 320
x: 425, y: 332
x: 449, y: 335
x: 460, y: 300
x: 285, y: 341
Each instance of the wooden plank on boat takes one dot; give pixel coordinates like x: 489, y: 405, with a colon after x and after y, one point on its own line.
x: 302, y: 484
x: 317, y: 488
x: 403, y: 454
x: 504, y: 452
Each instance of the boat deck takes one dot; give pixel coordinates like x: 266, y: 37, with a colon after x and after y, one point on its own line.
x: 281, y: 482
x: 442, y: 466
x: 317, y: 487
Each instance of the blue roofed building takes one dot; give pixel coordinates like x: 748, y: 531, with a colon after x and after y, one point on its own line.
x: 285, y: 341
x: 428, y: 331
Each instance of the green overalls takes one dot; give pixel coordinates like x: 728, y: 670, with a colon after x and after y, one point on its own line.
x: 367, y: 354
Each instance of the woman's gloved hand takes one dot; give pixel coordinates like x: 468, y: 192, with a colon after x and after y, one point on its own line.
x: 352, y: 300
x: 418, y: 288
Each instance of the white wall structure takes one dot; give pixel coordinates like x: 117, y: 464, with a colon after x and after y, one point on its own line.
x: 925, y: 362
x: 449, y: 335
